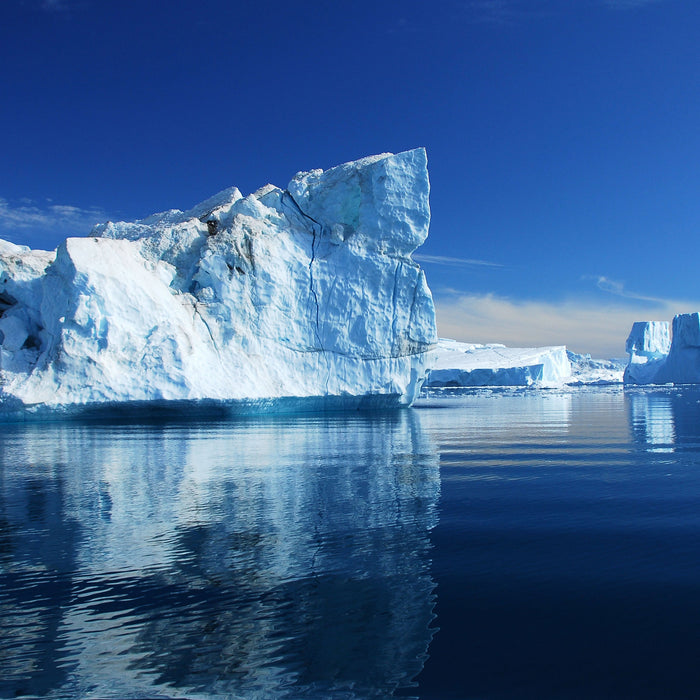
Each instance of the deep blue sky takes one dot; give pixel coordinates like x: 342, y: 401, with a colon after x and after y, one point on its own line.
x: 563, y: 135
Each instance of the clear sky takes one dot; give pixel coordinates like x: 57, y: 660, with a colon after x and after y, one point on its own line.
x: 563, y: 136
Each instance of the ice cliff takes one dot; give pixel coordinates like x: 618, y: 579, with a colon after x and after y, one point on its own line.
x: 307, y: 292
x: 659, y: 358
x: 647, y: 345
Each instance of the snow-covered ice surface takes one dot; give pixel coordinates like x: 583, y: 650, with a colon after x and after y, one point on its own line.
x: 467, y: 364
x: 659, y: 358
x: 287, y: 298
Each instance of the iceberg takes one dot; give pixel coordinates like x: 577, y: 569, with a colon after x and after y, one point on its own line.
x: 648, y: 345
x: 488, y: 365
x: 306, y: 295
x: 588, y: 371
x: 657, y: 357
x: 470, y: 365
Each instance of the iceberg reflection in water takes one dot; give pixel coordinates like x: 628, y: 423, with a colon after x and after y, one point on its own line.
x: 264, y: 558
x: 652, y: 419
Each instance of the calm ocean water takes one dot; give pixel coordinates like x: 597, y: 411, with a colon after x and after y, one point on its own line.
x: 492, y: 544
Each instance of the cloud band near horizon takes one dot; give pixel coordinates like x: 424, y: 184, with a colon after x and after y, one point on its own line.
x: 583, y: 326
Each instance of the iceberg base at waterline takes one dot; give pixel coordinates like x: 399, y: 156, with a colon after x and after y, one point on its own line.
x: 196, y: 409
x: 287, y: 299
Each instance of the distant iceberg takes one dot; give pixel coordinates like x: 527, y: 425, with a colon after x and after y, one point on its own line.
x: 300, y: 295
x: 588, y: 371
x: 468, y: 364
x: 475, y: 365
x: 657, y: 356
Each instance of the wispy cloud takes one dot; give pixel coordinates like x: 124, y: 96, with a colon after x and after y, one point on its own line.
x: 493, y: 10
x: 628, y: 4
x: 583, y: 326
x: 48, y: 221
x: 64, y: 6
x: 618, y: 289
x: 507, y: 11
x: 54, y: 5
x: 452, y: 262
x: 498, y: 12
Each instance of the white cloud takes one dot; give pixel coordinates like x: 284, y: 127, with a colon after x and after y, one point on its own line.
x: 53, y: 220
x: 583, y: 326
x: 452, y: 262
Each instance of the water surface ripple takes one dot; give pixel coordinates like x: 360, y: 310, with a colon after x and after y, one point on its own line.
x: 567, y: 554
x: 486, y: 544
x: 264, y: 558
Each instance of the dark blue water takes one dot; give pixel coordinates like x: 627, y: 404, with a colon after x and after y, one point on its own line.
x: 488, y: 545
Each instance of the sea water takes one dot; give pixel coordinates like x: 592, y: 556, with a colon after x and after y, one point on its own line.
x: 485, y: 544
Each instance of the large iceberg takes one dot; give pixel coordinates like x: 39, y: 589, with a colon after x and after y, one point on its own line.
x: 659, y: 358
x: 307, y: 293
x: 469, y: 364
